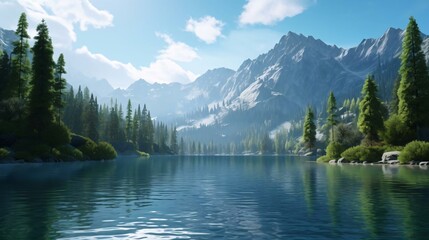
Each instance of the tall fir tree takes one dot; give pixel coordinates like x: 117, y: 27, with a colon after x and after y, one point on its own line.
x: 41, y: 112
x: 91, y: 119
x: 332, y: 117
x: 413, y: 92
x: 20, y: 62
x: 309, y: 131
x: 59, y: 86
x: 129, y: 121
x: 370, y: 121
x: 394, y: 102
x: 174, y: 146
x: 4, y: 76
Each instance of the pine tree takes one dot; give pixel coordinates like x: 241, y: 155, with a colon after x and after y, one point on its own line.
x: 4, y: 76
x: 331, y: 110
x: 309, y: 132
x: 135, y: 128
x: 173, y: 141
x: 21, y: 66
x: 413, y: 90
x: 129, y: 121
x: 59, y: 86
x: 370, y: 120
x: 91, y: 119
x: 41, y: 96
x: 394, y: 102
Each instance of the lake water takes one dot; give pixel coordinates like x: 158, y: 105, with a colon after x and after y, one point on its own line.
x: 213, y: 198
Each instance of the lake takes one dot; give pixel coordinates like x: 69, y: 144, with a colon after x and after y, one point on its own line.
x: 242, y: 197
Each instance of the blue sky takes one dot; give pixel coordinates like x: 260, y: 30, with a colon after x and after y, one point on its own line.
x: 178, y: 40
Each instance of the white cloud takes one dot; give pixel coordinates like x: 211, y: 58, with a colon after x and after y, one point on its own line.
x: 164, y: 69
x: 177, y: 51
x: 98, y: 66
x: 270, y: 11
x: 207, y: 28
x: 61, y: 16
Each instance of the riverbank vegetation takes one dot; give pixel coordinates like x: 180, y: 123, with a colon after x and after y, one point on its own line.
x: 43, y: 119
x: 406, y: 125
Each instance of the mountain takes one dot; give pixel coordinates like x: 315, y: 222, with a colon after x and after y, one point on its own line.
x: 299, y: 71
x: 169, y: 101
x: 264, y: 92
x: 6, y: 39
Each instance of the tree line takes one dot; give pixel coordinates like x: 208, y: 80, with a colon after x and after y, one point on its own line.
x: 38, y: 112
x: 402, y: 122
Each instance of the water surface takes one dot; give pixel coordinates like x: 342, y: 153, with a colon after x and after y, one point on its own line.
x: 213, y: 198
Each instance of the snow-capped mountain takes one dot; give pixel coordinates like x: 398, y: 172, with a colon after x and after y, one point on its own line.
x: 266, y: 91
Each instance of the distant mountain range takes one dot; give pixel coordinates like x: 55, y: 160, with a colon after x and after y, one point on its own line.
x: 271, y: 89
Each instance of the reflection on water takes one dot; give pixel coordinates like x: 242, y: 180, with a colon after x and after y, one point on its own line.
x: 212, y: 198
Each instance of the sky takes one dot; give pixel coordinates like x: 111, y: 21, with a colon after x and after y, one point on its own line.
x: 167, y: 41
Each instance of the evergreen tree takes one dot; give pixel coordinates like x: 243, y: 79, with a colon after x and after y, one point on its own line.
x: 370, y: 120
x: 114, y: 131
x: 59, y: 86
x: 309, y: 132
x: 173, y: 141
x: 4, y: 76
x: 135, y: 128
x: 41, y: 96
x: 91, y: 120
x: 332, y: 117
x: 394, y: 102
x: 413, y: 90
x: 129, y: 121
x: 21, y: 65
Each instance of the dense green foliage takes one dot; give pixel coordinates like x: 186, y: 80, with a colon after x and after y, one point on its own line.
x: 41, y: 99
x: 32, y: 126
x: 396, y: 132
x: 413, y: 92
x: 415, y: 151
x: 309, y: 131
x: 370, y: 121
x: 59, y: 86
x: 332, y: 117
x: 363, y: 153
x: 20, y: 63
x: 104, y: 151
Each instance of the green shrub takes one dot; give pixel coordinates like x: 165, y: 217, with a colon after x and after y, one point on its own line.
x: 334, y: 150
x: 3, y: 153
x: 396, y: 132
x: 88, y: 149
x: 324, y: 159
x: 363, y: 153
x: 104, y: 151
x: 100, y: 151
x: 347, y: 135
x: 69, y: 153
x: 415, y: 151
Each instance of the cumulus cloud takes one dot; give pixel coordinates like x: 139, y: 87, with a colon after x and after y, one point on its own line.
x: 270, y: 11
x: 177, y: 51
x: 207, y: 28
x: 165, y: 68
x: 61, y: 17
